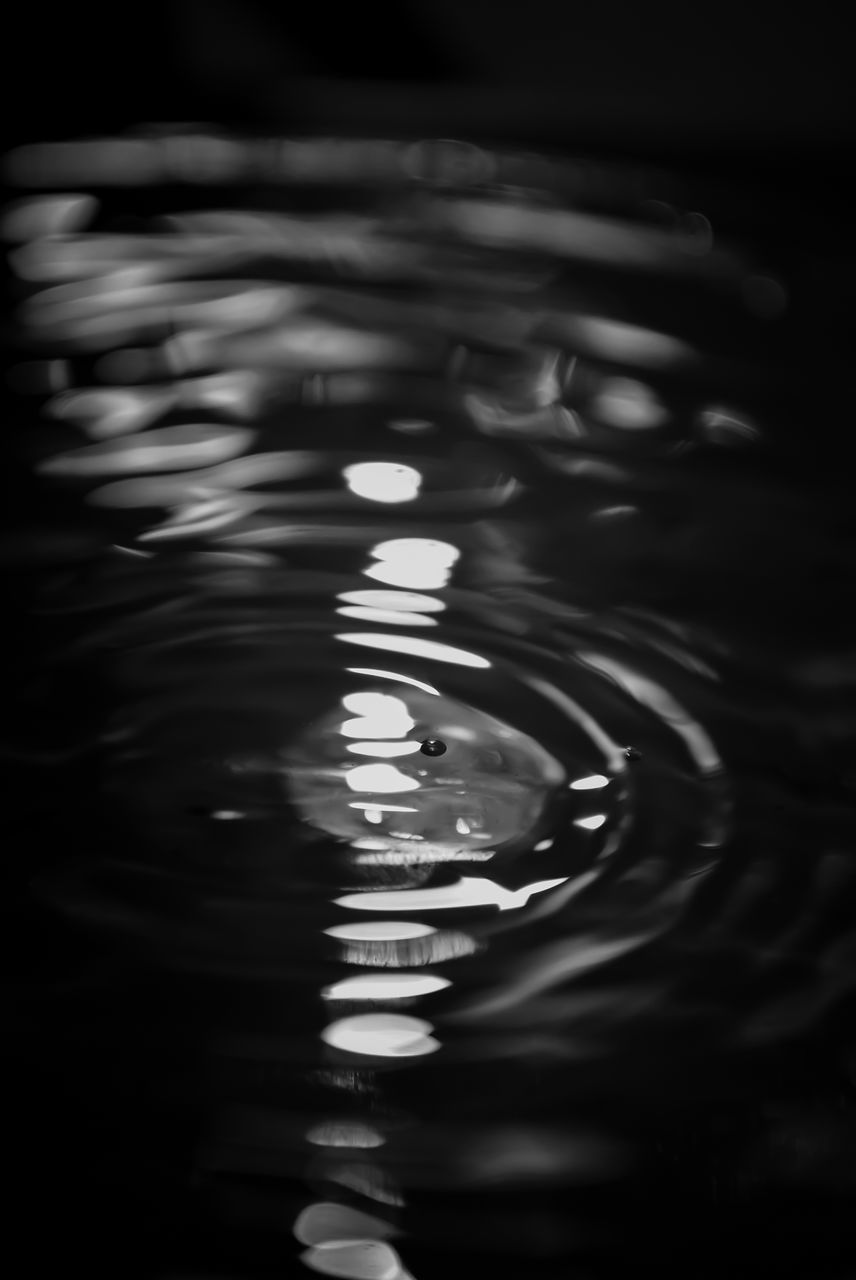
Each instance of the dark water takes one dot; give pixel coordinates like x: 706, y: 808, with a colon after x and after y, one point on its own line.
x: 320, y: 451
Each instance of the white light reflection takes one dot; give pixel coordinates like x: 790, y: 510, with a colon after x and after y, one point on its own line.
x: 591, y: 823
x: 345, y: 1134
x: 383, y: 481
x: 385, y: 616
x: 591, y: 783
x: 381, y: 808
x: 380, y: 930
x: 388, y: 749
x: 385, y: 986
x: 327, y: 1222
x: 420, y: 563
x: 356, y: 1260
x: 399, y: 601
x: 466, y: 892
x: 628, y: 405
x: 379, y: 777
x: 379, y: 715
x: 417, y: 647
x: 382, y: 1035
x: 394, y: 675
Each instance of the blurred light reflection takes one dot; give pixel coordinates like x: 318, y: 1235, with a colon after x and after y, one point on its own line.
x: 381, y: 1035
x: 326, y: 1222
x: 383, y: 481
x: 355, y: 1260
x: 466, y: 892
x: 341, y: 1133
x: 389, y: 986
x: 417, y: 647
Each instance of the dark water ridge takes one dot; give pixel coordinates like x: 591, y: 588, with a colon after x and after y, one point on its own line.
x: 328, y: 450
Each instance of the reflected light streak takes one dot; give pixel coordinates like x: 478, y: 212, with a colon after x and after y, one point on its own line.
x: 399, y: 601
x: 385, y: 616
x: 383, y: 930
x: 399, y: 574
x: 53, y: 215
x: 379, y: 715
x: 417, y: 647
x: 387, y: 749
x: 345, y: 1134
x: 653, y: 696
x: 591, y: 783
x: 326, y: 1222
x: 466, y: 892
x: 409, y: 953
x: 383, y: 481
x: 385, y: 986
x: 186, y: 446
x: 591, y: 823
x: 383, y: 778
x: 381, y: 1035
x: 420, y: 550
x: 381, y: 808
x: 420, y: 855
x: 355, y: 1260
x: 628, y: 405
x: 393, y: 675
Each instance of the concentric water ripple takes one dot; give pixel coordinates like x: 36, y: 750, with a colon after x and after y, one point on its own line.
x: 408, y: 446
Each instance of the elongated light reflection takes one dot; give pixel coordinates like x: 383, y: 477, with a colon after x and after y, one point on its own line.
x: 326, y: 1222
x: 591, y: 783
x: 344, y: 1133
x: 385, y: 986
x: 394, y: 675
x: 383, y: 930
x: 383, y: 778
x: 400, y: 601
x: 385, y: 749
x: 382, y: 1035
x: 466, y: 892
x: 385, y: 617
x: 355, y: 1260
x: 417, y: 647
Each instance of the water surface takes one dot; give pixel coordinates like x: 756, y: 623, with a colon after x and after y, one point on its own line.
x: 327, y: 450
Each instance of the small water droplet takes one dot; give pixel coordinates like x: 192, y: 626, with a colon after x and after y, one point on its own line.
x: 433, y: 747
x: 632, y: 753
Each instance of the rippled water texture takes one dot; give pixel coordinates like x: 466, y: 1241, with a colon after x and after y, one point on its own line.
x: 326, y: 451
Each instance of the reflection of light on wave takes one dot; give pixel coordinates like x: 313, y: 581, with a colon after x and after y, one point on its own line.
x: 420, y: 563
x: 356, y: 1260
x: 382, y: 1035
x: 378, y: 715
x: 385, y: 930
x: 385, y: 986
x: 379, y: 778
x: 393, y: 675
x: 466, y: 892
x: 591, y: 823
x: 591, y: 783
x: 652, y: 695
x: 416, y: 646
x: 326, y: 1221
x: 400, y: 601
x: 343, y: 1133
x: 383, y: 481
